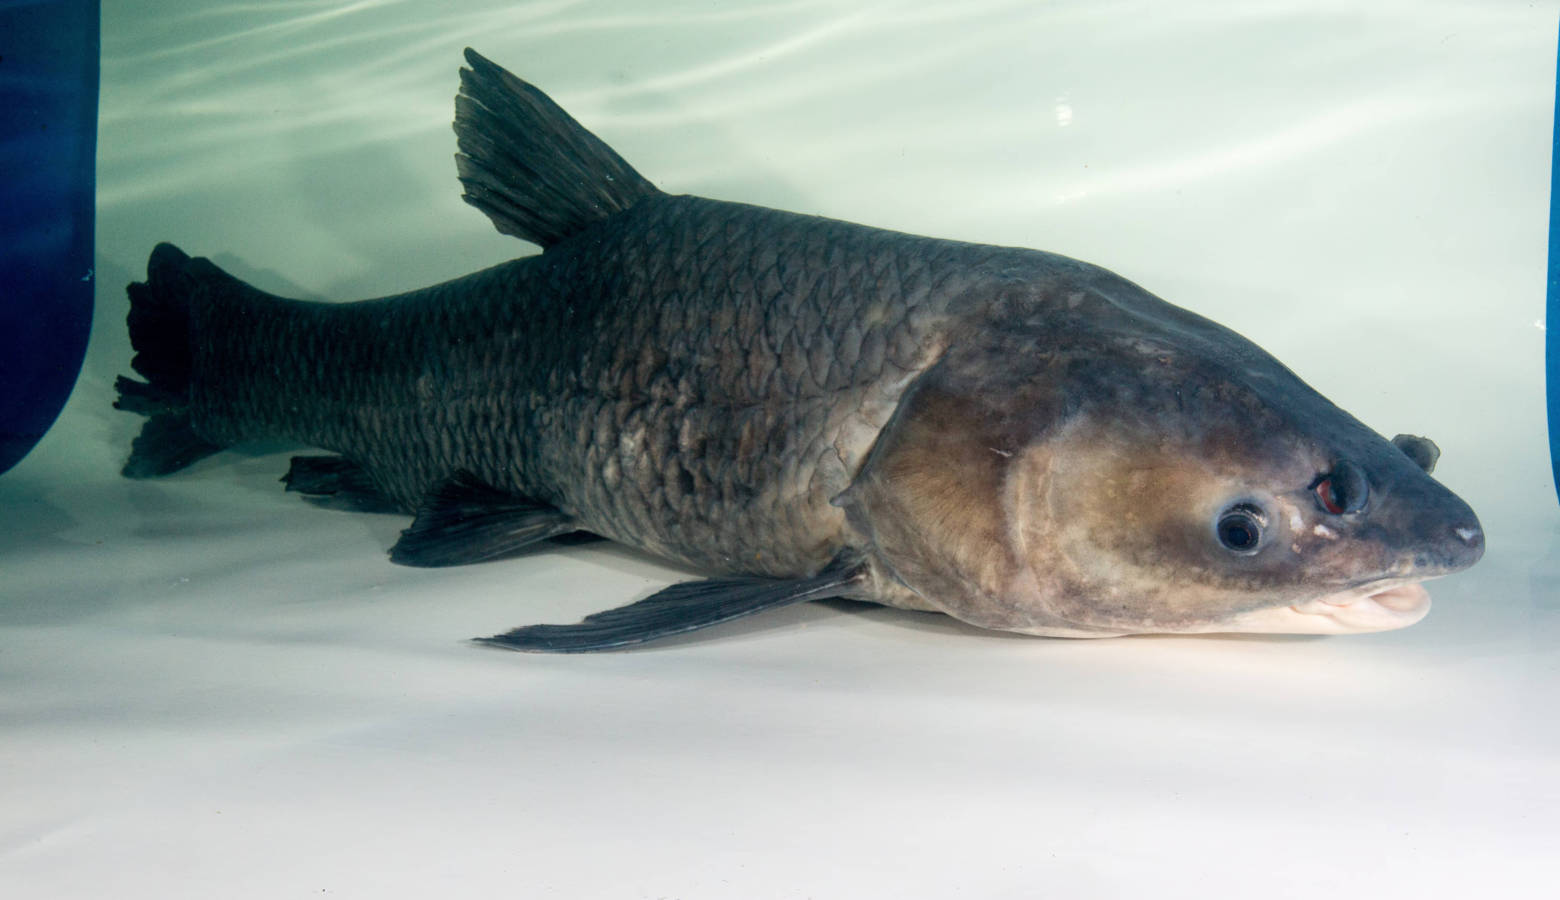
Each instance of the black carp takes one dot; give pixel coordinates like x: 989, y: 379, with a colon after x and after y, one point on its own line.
x: 801, y: 408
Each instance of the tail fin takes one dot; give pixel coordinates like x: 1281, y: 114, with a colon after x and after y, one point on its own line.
x: 160, y: 332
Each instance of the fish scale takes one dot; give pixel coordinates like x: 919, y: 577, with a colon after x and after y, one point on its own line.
x: 801, y: 408
x: 756, y: 424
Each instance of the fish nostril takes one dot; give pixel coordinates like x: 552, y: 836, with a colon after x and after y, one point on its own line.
x: 1465, y: 545
x: 1459, y: 547
x: 1472, y: 535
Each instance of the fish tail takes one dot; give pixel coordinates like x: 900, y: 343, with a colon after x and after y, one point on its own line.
x: 160, y: 333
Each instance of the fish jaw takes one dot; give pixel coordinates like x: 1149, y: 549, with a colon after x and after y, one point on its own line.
x: 1381, y: 607
x: 1384, y: 606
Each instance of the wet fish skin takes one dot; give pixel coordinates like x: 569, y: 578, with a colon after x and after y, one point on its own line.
x: 1117, y: 427
x: 711, y: 426
x: 809, y: 407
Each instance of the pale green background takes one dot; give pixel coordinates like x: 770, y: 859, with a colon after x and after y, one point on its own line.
x: 212, y: 689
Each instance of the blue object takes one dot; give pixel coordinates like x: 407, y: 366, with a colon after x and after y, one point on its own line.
x: 48, y: 147
x: 1552, y: 307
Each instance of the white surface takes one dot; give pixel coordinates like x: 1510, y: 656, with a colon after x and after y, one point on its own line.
x: 212, y: 689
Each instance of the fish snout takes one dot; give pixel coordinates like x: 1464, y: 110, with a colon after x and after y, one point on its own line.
x: 1440, y: 533
x: 1457, y: 546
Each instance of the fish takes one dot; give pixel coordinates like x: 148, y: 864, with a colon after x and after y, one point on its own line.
x: 799, y: 408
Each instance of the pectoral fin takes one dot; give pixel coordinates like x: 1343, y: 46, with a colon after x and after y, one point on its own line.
x: 466, y: 521
x: 687, y: 606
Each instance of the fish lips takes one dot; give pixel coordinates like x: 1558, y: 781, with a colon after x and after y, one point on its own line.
x: 1382, y: 606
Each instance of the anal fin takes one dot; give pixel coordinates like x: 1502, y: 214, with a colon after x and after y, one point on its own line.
x: 683, y: 607
x: 465, y: 521
x: 335, y: 482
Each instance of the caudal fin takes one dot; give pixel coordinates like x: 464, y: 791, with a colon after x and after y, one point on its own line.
x: 160, y: 332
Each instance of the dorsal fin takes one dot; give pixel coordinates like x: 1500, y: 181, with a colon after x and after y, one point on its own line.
x: 537, y: 173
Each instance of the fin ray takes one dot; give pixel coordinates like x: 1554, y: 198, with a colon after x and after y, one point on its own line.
x: 161, y: 335
x: 535, y: 171
x: 466, y: 521
x: 166, y: 444
x: 335, y: 482
x: 686, y: 606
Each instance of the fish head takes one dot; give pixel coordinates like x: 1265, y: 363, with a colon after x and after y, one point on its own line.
x: 1244, y: 524
x: 1150, y: 480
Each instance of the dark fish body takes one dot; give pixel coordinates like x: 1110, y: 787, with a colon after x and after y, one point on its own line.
x: 799, y: 406
x: 694, y: 377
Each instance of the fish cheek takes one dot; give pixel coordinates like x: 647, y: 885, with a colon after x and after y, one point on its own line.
x: 1114, y: 544
x: 1131, y: 543
x: 929, y: 504
x: 1061, y: 589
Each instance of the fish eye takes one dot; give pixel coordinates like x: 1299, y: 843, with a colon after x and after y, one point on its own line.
x: 1240, y: 528
x: 1343, y: 490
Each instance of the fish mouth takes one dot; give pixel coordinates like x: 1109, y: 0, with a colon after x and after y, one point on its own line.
x: 1379, y: 607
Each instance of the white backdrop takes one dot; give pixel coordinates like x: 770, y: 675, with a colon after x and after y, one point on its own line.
x: 213, y: 689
